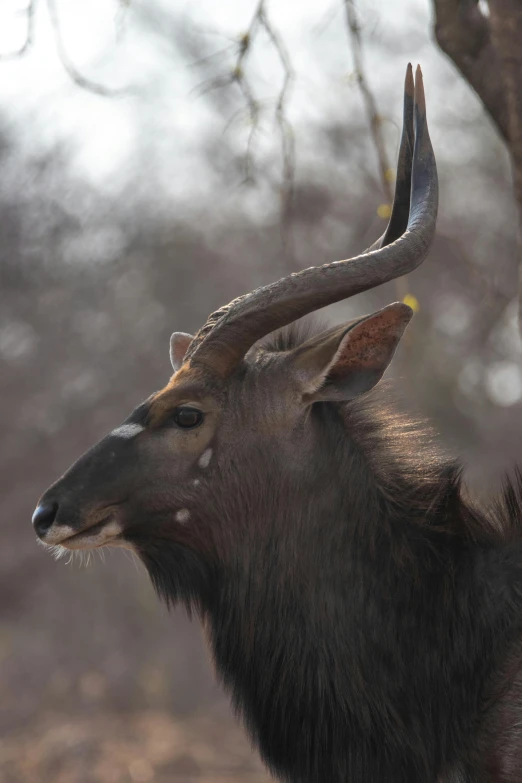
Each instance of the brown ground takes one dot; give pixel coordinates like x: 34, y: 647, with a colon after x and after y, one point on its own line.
x: 141, y: 747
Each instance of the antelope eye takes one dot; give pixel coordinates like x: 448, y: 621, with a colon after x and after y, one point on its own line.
x: 187, y: 418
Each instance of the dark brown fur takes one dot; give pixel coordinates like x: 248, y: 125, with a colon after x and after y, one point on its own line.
x: 365, y: 617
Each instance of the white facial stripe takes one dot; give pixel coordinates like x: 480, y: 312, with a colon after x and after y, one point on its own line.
x: 183, y: 515
x: 127, y: 431
x: 205, y: 458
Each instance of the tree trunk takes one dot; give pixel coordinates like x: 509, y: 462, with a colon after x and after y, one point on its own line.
x: 487, y: 50
x: 463, y: 33
x: 506, y: 31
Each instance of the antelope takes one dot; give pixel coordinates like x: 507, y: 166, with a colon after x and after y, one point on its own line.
x: 363, y: 614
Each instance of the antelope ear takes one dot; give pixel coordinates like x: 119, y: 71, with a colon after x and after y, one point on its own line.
x: 179, y: 343
x: 349, y: 360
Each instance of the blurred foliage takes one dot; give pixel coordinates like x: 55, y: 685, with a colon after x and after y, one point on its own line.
x: 97, y: 270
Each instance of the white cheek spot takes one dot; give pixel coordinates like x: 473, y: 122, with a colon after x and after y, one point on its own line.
x: 205, y: 458
x: 196, y: 482
x: 112, y: 528
x: 127, y: 431
x: 183, y: 515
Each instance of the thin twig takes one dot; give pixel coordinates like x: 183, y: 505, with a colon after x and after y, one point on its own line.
x: 77, y: 77
x: 204, y: 60
x: 374, y: 118
x: 238, y: 76
x: 29, y: 36
x: 261, y: 21
x: 285, y: 128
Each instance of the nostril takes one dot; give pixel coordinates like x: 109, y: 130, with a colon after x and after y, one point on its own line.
x: 44, y: 517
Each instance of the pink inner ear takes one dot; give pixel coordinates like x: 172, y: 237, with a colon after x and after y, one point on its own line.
x: 371, y: 344
x: 367, y: 348
x: 179, y: 343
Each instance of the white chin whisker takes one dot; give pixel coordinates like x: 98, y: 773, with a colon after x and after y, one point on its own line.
x: 55, y: 550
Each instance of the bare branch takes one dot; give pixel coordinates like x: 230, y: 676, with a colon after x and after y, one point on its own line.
x: 374, y: 118
x: 72, y: 71
x: 463, y: 33
x: 29, y: 37
x: 238, y: 76
x: 261, y: 21
x: 77, y: 77
x: 286, y: 130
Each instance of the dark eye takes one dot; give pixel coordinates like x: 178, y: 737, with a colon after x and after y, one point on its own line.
x: 188, y: 418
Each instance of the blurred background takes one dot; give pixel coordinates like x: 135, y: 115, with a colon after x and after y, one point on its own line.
x: 158, y: 159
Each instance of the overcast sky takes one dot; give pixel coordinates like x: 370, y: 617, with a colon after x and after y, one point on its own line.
x: 160, y: 118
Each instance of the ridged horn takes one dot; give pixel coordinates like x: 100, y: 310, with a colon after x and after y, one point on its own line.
x: 231, y: 331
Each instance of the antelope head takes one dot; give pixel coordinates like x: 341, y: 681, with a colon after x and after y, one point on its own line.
x: 209, y: 460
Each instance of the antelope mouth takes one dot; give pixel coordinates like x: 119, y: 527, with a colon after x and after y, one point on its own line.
x: 108, y: 531
x: 102, y: 532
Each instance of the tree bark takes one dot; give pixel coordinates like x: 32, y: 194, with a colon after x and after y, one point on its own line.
x: 506, y: 32
x: 488, y: 52
x: 463, y: 33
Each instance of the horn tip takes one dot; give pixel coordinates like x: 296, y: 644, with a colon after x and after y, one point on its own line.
x: 420, y: 100
x: 408, y: 82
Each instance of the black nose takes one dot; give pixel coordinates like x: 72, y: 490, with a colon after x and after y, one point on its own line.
x: 44, y: 517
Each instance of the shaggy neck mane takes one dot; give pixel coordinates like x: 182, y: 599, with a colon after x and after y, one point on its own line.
x: 330, y: 602
x: 404, y: 461
x: 399, y: 459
